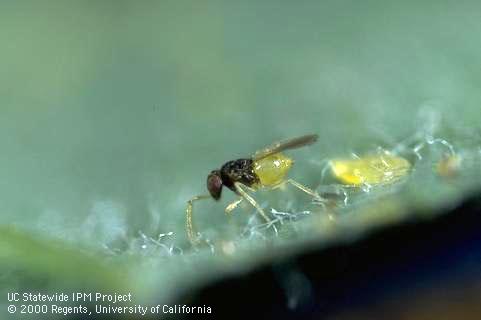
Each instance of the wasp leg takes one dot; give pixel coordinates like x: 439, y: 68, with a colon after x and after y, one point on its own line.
x: 246, y: 196
x: 307, y: 190
x: 233, y: 205
x: 189, y: 226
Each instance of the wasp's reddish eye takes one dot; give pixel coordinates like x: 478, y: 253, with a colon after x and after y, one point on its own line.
x: 214, y: 184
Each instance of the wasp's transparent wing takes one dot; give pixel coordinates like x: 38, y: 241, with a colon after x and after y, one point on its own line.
x: 285, y: 145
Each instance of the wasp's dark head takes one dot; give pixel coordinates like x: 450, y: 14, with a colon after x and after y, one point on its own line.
x: 214, y: 184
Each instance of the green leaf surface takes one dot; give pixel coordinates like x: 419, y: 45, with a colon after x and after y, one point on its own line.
x: 113, y: 113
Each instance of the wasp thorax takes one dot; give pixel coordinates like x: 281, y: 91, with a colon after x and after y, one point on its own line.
x: 214, y: 184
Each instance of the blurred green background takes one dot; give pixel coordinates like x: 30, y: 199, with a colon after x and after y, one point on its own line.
x: 113, y: 112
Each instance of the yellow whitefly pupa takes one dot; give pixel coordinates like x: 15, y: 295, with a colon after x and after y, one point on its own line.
x: 371, y: 169
x: 449, y: 166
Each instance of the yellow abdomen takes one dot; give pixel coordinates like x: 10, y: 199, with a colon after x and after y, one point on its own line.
x: 272, y: 170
